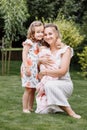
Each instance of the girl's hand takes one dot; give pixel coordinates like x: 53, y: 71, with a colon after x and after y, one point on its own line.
x: 27, y: 71
x: 46, y: 60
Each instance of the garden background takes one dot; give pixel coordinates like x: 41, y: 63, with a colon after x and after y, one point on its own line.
x: 15, y: 16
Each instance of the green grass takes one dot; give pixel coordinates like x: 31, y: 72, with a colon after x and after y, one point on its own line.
x: 14, y: 68
x: 12, y: 118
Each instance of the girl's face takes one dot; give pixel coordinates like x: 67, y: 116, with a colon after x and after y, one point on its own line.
x: 50, y: 35
x: 39, y: 32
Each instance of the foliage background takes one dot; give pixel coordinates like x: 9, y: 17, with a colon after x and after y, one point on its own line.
x: 73, y: 11
x: 16, y: 16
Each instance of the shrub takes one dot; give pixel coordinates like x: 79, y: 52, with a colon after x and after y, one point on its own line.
x: 70, y: 32
x: 83, y: 61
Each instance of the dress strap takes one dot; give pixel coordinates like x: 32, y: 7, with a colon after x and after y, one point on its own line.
x: 27, y: 42
x: 64, y: 49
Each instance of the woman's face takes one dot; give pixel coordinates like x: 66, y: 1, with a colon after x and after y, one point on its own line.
x: 50, y: 35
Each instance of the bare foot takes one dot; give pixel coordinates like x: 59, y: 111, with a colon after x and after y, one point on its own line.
x: 76, y: 116
x: 26, y: 111
x: 31, y: 110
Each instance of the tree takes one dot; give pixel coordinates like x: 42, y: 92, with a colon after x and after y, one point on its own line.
x: 47, y: 9
x: 14, y: 14
x: 74, y: 9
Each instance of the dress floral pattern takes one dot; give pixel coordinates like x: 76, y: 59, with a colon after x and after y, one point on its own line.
x: 32, y: 59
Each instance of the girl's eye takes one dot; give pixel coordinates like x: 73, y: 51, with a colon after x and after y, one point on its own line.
x: 50, y: 33
x: 45, y: 34
x: 42, y: 32
x: 38, y: 32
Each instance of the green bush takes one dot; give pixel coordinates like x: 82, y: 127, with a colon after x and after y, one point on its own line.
x: 83, y: 61
x: 71, y: 35
x: 70, y: 32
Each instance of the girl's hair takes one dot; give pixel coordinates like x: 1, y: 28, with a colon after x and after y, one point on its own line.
x: 44, y: 43
x: 55, y: 27
x: 31, y: 29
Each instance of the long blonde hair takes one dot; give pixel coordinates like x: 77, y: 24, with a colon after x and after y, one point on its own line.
x: 31, y: 29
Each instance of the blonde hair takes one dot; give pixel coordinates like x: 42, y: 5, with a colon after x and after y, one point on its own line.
x: 31, y: 29
x: 55, y: 27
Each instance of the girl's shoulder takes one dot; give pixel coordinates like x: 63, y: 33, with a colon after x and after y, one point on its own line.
x: 27, y: 42
x: 42, y: 48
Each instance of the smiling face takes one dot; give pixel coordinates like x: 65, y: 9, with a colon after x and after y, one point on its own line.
x: 35, y: 31
x: 50, y: 35
x: 39, y: 32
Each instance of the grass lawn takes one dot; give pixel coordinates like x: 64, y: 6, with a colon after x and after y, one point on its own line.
x: 12, y: 118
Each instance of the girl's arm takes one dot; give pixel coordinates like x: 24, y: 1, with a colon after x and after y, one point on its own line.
x: 24, y: 54
x: 24, y: 58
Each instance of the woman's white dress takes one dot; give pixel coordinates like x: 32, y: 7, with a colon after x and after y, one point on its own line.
x: 57, y: 91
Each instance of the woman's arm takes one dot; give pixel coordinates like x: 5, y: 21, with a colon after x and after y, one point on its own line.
x: 65, y: 62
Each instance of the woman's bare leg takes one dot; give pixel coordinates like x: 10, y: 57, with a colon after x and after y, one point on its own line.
x: 70, y: 112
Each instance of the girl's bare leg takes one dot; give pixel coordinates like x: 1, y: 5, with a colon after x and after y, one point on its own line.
x: 25, y: 100
x: 31, y: 99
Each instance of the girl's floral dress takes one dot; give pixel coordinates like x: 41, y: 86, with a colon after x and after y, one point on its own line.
x: 32, y: 59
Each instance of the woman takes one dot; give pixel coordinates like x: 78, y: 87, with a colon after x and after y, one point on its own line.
x: 59, y: 90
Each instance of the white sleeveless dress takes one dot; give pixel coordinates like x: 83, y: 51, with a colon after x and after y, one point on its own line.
x: 32, y: 60
x: 58, y: 91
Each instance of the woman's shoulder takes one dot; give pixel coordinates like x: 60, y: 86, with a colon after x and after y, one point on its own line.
x: 65, y: 48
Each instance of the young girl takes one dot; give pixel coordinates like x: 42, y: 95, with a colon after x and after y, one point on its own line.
x: 29, y: 69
